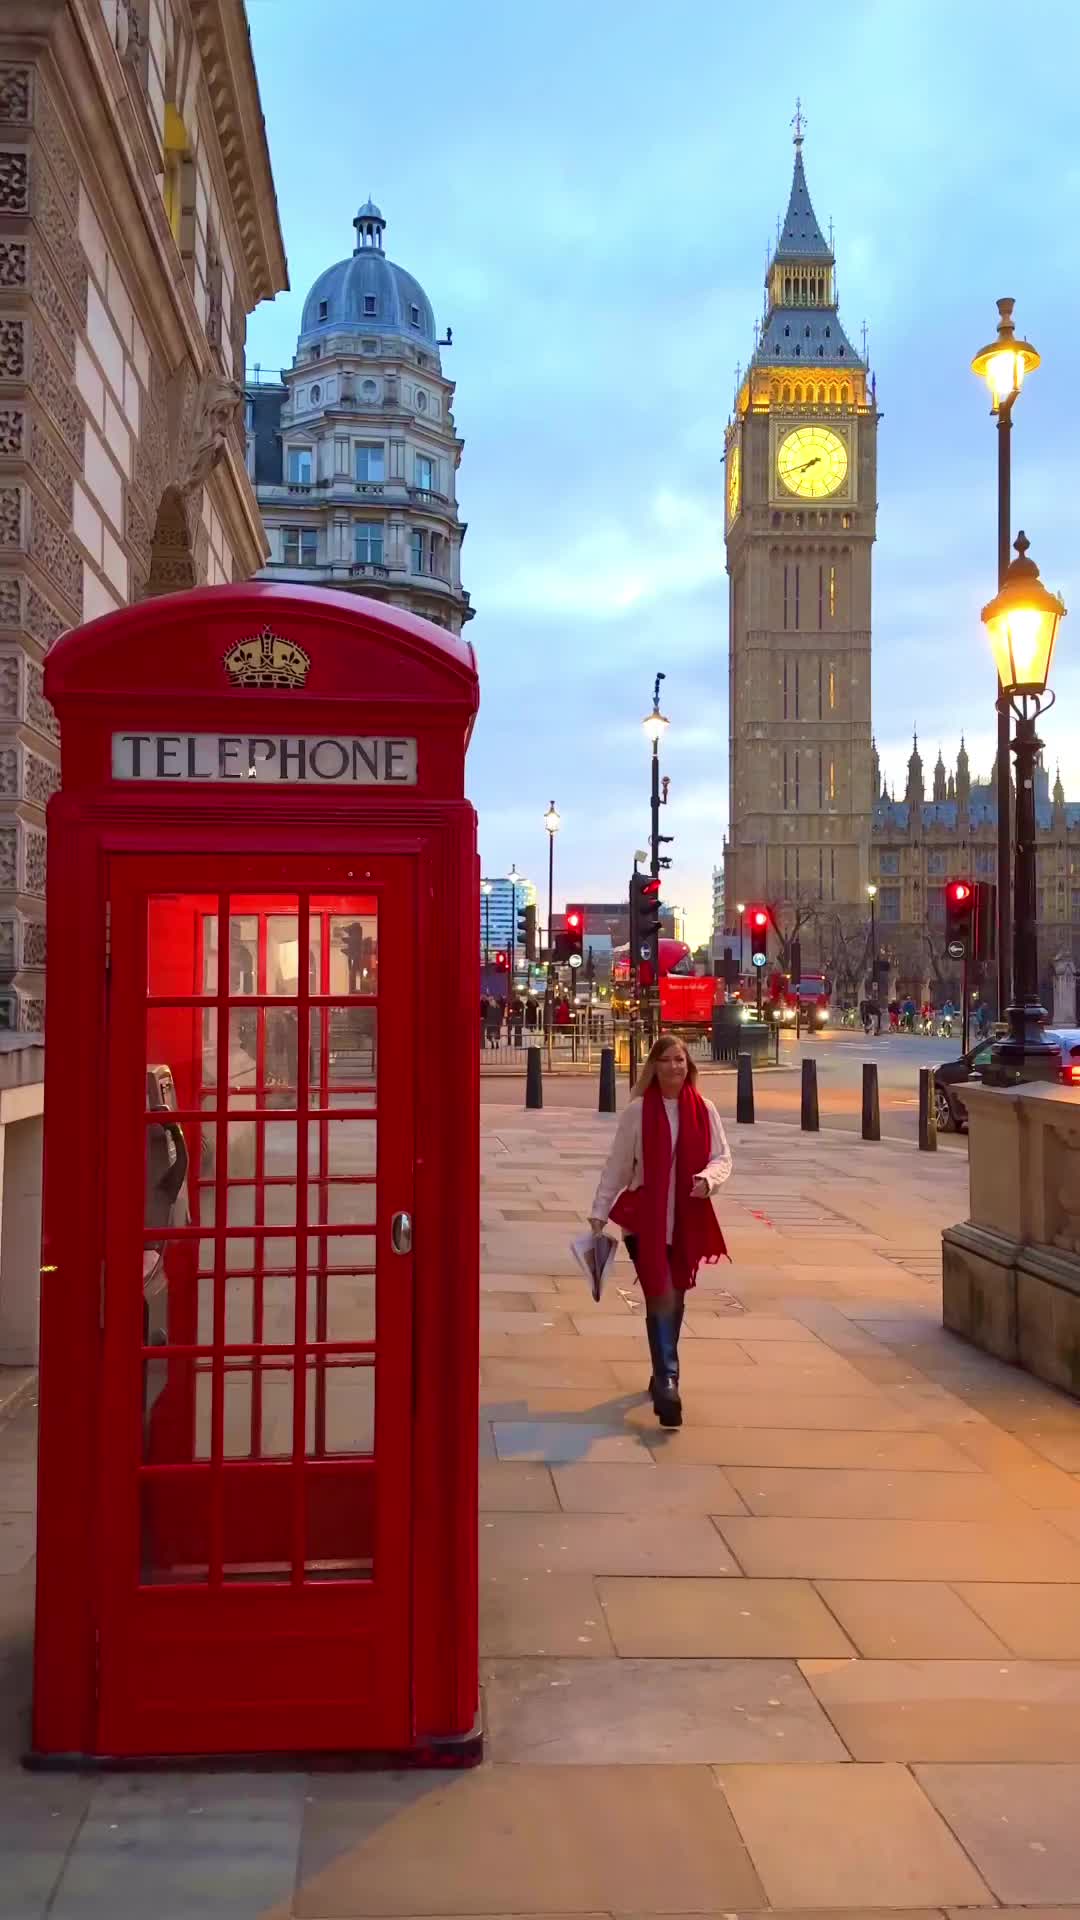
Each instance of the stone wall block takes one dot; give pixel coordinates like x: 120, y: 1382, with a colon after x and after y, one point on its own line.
x: 11, y: 613
x: 14, y: 262
x: 43, y: 623
x: 33, y: 942
x: 34, y: 859
x: 54, y: 393
x: 39, y: 713
x: 14, y: 180
x: 12, y: 432
x: 50, y: 465
x: 16, y: 93
x: 40, y: 779
x: 12, y: 348
x: 12, y: 519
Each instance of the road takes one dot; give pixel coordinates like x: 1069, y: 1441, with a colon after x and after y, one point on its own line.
x: 840, y: 1056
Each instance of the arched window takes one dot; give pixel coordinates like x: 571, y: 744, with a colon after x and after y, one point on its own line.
x: 787, y: 393
x: 844, y: 394
x: 798, y: 394
x: 821, y: 396
x: 774, y: 392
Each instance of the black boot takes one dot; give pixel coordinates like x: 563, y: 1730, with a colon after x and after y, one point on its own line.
x: 663, y: 1330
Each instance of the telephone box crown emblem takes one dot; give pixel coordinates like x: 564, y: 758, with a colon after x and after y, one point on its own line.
x: 267, y: 661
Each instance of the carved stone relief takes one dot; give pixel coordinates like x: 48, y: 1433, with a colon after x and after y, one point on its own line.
x: 52, y: 389
x: 172, y: 561
x: 40, y: 779
x: 11, y: 431
x: 55, y: 223
x: 9, y: 770
x: 11, y: 517
x: 31, y: 1015
x: 58, y: 149
x: 10, y: 603
x: 15, y: 94
x: 51, y: 301
x: 48, y: 462
x: 14, y: 180
x: 42, y: 621
x: 39, y: 713
x: 13, y: 258
x: 7, y: 947
x: 33, y: 943
x: 8, y: 851
x: 12, y: 349
x: 34, y: 860
x: 9, y: 686
x: 55, y: 553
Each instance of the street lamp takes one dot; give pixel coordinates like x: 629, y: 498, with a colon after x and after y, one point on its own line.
x: 871, y: 894
x: 1022, y: 621
x: 552, y: 822
x: 513, y: 876
x: 485, y: 888
x: 1003, y: 364
x: 654, y: 727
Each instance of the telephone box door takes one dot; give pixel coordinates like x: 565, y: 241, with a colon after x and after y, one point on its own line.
x: 256, y: 1292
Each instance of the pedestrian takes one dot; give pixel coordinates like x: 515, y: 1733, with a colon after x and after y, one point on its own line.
x: 516, y: 1019
x: 668, y: 1158
x: 866, y: 1014
x: 494, y: 1021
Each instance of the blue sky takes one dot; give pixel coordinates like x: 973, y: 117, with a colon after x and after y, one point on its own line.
x: 586, y: 192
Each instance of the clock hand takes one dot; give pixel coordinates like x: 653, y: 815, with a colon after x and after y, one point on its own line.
x: 807, y: 463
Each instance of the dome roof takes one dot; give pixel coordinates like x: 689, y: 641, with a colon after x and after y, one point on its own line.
x: 368, y: 292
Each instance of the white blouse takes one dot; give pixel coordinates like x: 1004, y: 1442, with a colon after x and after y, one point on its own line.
x: 625, y: 1164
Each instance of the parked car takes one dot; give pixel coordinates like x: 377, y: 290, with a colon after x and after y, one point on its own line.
x: 951, y: 1078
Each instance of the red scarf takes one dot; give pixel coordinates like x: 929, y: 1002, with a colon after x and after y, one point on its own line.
x: 642, y: 1210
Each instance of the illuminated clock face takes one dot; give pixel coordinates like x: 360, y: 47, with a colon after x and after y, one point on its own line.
x: 734, y: 481
x: 812, y: 462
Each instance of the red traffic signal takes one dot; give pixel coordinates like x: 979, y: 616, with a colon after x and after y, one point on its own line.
x: 502, y: 962
x: 759, y: 919
x: 960, y: 891
x: 574, y: 922
x: 959, y: 916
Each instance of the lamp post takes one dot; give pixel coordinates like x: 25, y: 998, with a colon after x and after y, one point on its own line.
x: 552, y: 822
x: 654, y: 726
x: 740, y: 908
x: 1003, y: 364
x: 485, y: 888
x: 871, y: 894
x: 513, y: 876
x: 1022, y: 620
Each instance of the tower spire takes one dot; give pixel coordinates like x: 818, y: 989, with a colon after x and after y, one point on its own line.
x: 798, y: 122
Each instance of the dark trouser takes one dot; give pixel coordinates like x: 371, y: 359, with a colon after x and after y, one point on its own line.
x: 663, y: 1324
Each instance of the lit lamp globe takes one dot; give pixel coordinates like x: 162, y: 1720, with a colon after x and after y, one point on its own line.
x: 871, y: 893
x: 553, y: 818
x: 1022, y: 621
x: 1005, y: 361
x: 655, y: 725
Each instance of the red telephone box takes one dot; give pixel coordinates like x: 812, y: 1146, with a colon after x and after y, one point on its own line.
x: 259, y: 1295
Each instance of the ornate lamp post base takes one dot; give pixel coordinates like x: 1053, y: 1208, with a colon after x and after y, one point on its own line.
x: 1026, y: 1054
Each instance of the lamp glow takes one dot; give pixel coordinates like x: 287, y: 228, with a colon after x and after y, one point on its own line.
x: 553, y: 818
x: 1004, y: 362
x: 655, y: 725
x: 1022, y: 621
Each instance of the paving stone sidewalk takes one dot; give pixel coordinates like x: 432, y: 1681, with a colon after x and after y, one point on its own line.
x: 818, y: 1653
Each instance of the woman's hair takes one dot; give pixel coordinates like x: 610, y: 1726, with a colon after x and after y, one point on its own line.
x: 657, y: 1052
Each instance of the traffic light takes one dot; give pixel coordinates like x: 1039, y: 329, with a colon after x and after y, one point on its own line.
x: 959, y: 917
x: 575, y: 931
x: 502, y: 962
x: 644, y: 916
x: 758, y: 922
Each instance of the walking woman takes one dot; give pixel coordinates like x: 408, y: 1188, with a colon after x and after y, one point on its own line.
x: 668, y: 1158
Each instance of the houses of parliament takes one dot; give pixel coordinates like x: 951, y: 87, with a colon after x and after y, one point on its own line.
x: 811, y: 826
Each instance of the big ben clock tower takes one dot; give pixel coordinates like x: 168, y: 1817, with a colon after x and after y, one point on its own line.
x: 801, y: 499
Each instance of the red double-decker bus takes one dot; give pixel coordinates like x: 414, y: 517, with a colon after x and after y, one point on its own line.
x: 686, y: 998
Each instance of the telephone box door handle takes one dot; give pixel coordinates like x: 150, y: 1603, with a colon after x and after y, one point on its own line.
x: 401, y: 1233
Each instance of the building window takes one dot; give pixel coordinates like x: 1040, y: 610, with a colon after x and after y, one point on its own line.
x: 315, y: 396
x: 888, y: 863
x: 368, y: 389
x: 821, y: 873
x: 820, y: 597
x: 1076, y: 903
x: 832, y: 690
x: 797, y: 572
x: 316, y: 353
x: 986, y: 862
x: 417, y: 550
x: 936, y: 863
x: 935, y: 905
x: 322, y: 309
x: 369, y: 303
x: 368, y: 545
x: 785, y: 792
x: 300, y: 546
x: 796, y: 663
x: 300, y: 466
x: 414, y: 315
x: 424, y: 472
x: 786, y: 715
x: 785, y: 597
x: 370, y: 461
x: 421, y: 400
x: 249, y: 414
x: 820, y: 779
x: 832, y: 782
x: 845, y: 519
x: 889, y: 903
x: 796, y: 809
x: 832, y: 873
x: 832, y: 593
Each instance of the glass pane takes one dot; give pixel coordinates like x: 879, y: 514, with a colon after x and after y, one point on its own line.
x: 341, y: 1306
x: 283, y: 954
x: 169, y: 1268
x: 258, y: 1422
x: 243, y: 953
x: 344, y: 1059
x: 254, y: 1083
x: 175, y: 1056
x: 341, y: 1392
x: 333, y: 1203
x: 354, y: 953
x: 339, y: 1251
x: 174, y: 1529
x: 167, y: 1410
x: 177, y: 962
x: 166, y: 1162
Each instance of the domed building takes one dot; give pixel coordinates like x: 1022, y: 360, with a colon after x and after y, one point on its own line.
x: 354, y: 453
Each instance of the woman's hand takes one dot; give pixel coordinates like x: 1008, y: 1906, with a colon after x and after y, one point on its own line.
x: 597, y: 1225
x: 700, y: 1188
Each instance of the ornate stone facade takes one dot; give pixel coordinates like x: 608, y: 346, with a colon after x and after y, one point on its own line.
x: 121, y: 352
x: 355, y: 454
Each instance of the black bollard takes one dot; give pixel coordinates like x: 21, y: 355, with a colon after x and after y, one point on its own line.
x: 927, y: 1111
x: 607, y: 1080
x: 744, y: 1091
x: 534, y: 1085
x: 809, y: 1097
x: 871, y: 1111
